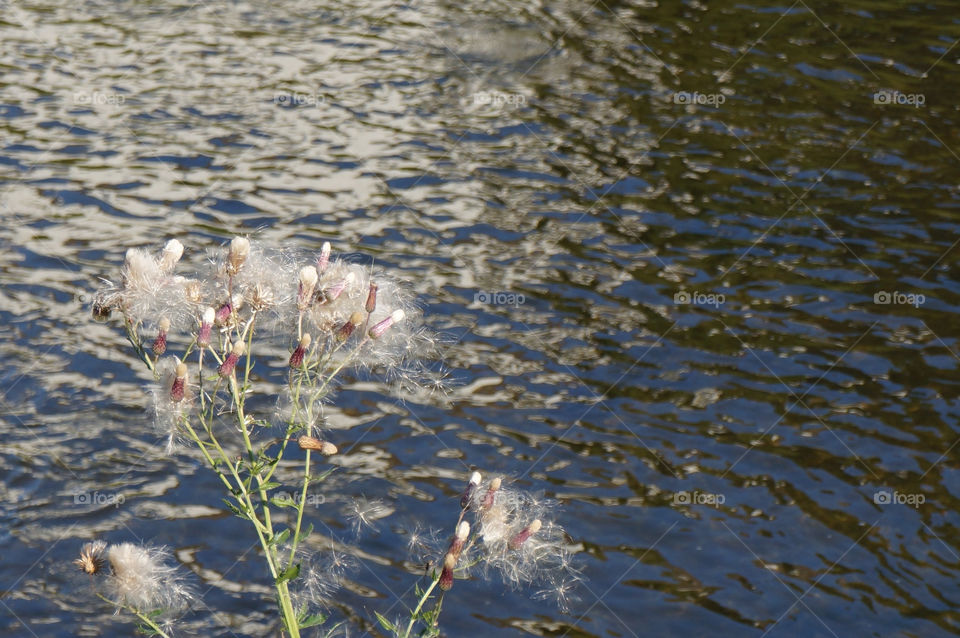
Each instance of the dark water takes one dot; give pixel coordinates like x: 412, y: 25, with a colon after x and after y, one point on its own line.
x: 599, y: 159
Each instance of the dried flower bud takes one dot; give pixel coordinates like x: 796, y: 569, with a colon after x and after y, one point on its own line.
x: 296, y: 359
x: 349, y: 326
x: 334, y: 291
x: 491, y: 492
x: 446, y: 575
x: 179, y: 383
x: 463, y: 533
x: 371, y: 304
x: 193, y: 290
x: 310, y: 443
x: 226, y: 368
x: 91, y: 558
x: 223, y: 313
x: 172, y: 253
x: 324, y: 259
x: 475, y: 479
x: 206, y: 326
x: 160, y: 343
x: 239, y: 251
x: 521, y: 537
x: 395, y: 317
x: 308, y: 281
x: 101, y: 310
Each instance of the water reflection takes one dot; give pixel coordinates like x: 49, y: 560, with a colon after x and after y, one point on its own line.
x: 700, y: 290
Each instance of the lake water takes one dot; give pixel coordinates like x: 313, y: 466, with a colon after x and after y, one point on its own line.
x: 732, y: 228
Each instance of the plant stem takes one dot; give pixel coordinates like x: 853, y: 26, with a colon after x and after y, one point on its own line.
x: 423, y: 600
x: 139, y: 614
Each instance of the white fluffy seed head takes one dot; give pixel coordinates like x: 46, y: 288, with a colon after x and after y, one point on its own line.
x: 463, y: 530
x: 141, y: 578
x: 398, y: 315
x: 172, y: 252
x: 209, y: 315
x: 308, y: 277
x: 475, y: 478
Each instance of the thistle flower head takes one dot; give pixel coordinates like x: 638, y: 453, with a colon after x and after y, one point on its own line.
x: 172, y: 252
x: 141, y: 578
x: 226, y: 368
x: 239, y: 251
x: 308, y: 281
x: 91, y: 558
x: 324, y: 259
x: 160, y: 342
x: 472, y: 486
x: 297, y: 357
x: 206, y: 327
x: 395, y: 317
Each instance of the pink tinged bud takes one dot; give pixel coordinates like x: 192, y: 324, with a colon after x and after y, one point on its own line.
x: 308, y: 281
x: 371, y: 304
x: 471, y: 488
x: 206, y: 326
x: 334, y: 291
x: 160, y: 343
x: 239, y: 251
x: 395, y: 317
x: 223, y: 313
x: 171, y: 254
x: 179, y: 383
x: 226, y: 368
x: 463, y: 533
x: 296, y: 359
x: 344, y: 332
x: 324, y: 259
x: 521, y: 537
x: 446, y: 575
x: 491, y: 493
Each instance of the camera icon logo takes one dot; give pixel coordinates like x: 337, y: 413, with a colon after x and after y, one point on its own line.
x: 481, y: 297
x: 882, y: 497
x: 682, y: 297
x: 682, y: 498
x: 882, y: 297
x: 81, y: 498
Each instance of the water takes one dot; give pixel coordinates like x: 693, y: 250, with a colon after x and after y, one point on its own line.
x: 722, y: 465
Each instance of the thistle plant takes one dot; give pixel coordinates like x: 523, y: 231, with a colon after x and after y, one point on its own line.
x: 511, y: 536
x: 214, y: 339
x: 203, y: 336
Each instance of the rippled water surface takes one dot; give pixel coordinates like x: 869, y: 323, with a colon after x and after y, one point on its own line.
x: 736, y: 361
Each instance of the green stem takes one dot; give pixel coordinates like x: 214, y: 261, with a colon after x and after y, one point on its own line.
x: 423, y: 600
x: 139, y: 614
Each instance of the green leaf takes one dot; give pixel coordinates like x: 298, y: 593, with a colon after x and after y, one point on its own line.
x: 281, y: 537
x: 289, y: 573
x: 282, y: 501
x: 269, y: 485
x: 304, y: 533
x: 388, y: 625
x: 313, y: 621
